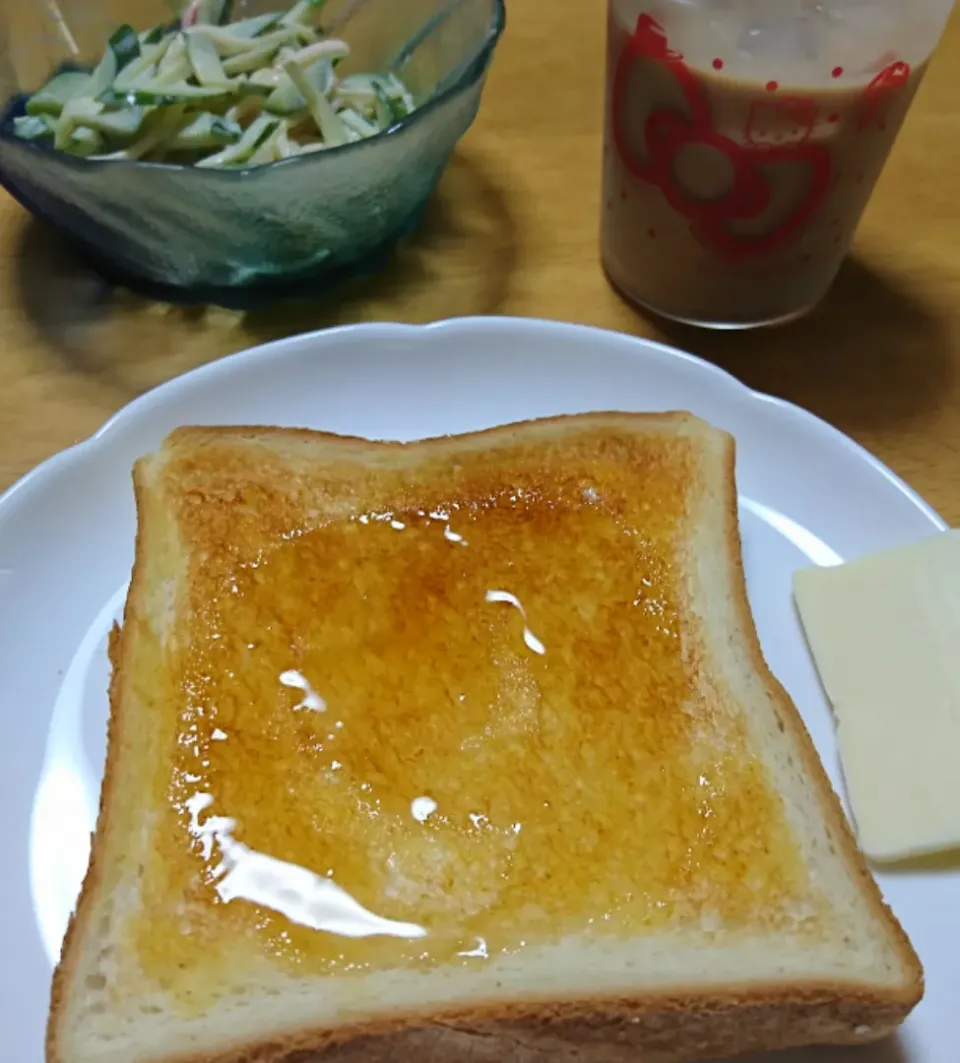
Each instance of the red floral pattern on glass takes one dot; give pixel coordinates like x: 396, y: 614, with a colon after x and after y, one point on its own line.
x: 888, y: 83
x: 666, y: 132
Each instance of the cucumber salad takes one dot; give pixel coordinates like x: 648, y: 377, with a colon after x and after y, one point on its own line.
x: 216, y: 93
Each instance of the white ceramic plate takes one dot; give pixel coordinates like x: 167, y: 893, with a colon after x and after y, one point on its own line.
x: 807, y: 495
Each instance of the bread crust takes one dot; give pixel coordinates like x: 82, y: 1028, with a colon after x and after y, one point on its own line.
x: 668, y: 1027
x: 80, y: 923
x: 841, y: 831
x: 656, y: 1028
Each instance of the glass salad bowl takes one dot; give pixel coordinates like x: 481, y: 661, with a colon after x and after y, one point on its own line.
x: 239, y: 236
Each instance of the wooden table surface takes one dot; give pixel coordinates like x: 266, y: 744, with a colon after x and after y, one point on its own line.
x: 513, y: 230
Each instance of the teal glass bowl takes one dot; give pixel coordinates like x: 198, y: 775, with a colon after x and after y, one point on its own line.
x: 241, y: 237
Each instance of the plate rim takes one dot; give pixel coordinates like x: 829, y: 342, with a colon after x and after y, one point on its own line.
x: 641, y: 344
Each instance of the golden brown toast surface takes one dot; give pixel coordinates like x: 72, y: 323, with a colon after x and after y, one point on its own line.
x: 463, y: 686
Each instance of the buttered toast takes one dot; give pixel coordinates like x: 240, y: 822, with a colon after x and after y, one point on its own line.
x: 460, y: 750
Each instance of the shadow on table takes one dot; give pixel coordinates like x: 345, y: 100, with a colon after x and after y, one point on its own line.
x: 871, y: 356
x: 59, y: 293
x: 459, y: 261
x: 946, y: 863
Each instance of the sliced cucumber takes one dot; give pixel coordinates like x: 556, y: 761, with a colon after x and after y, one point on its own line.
x: 332, y: 51
x: 246, y: 87
x: 258, y: 57
x: 185, y: 90
x: 34, y: 126
x: 205, y: 61
x: 358, y: 83
x: 400, y: 97
x: 160, y: 94
x: 125, y: 45
x: 121, y: 125
x: 104, y: 73
x: 302, y: 11
x: 206, y: 131
x: 122, y: 49
x: 306, y: 34
x: 239, y: 153
x: 332, y: 129
x: 85, y: 141
x: 286, y: 98
x: 154, y: 35
x: 74, y: 113
x: 143, y: 69
x: 253, y: 27
x: 227, y: 44
x: 269, y: 149
x: 175, y: 64
x: 212, y: 12
x: 57, y: 91
x: 359, y: 125
x: 163, y: 125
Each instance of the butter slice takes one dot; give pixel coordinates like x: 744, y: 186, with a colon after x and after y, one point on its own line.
x: 884, y: 632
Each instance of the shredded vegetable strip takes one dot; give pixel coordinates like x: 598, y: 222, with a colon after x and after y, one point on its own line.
x: 214, y: 93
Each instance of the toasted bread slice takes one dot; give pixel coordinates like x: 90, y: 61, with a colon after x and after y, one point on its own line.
x: 463, y: 749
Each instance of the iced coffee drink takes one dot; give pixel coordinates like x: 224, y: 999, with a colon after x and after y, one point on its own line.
x: 742, y: 142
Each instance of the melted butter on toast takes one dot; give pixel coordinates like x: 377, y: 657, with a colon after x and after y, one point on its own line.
x: 473, y: 711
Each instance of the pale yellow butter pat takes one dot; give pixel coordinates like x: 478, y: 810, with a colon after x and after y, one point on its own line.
x: 884, y: 631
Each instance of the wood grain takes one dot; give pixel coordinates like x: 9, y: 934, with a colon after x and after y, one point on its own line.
x: 513, y: 230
